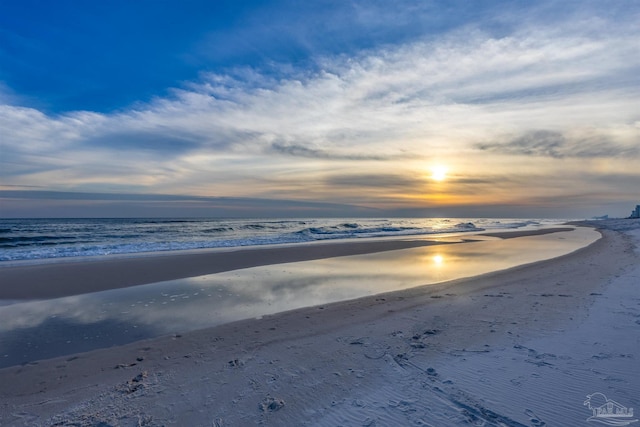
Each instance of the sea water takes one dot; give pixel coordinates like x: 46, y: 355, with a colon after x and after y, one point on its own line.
x: 40, y: 239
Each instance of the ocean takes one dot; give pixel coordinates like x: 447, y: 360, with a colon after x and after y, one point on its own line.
x: 44, y: 239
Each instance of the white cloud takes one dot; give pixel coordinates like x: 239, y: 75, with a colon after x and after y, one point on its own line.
x: 421, y: 100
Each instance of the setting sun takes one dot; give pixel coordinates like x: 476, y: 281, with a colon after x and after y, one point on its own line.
x: 439, y: 173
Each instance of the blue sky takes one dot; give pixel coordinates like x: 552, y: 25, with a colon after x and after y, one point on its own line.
x: 530, y: 107
x: 104, y: 56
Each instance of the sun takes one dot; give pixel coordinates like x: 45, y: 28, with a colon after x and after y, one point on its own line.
x: 439, y: 173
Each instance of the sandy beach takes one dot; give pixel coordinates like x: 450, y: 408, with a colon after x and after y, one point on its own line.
x: 519, y: 347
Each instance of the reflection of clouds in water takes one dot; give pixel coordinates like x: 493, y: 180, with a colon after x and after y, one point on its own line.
x: 29, y: 314
x: 188, y: 304
x: 247, y: 294
x: 270, y: 289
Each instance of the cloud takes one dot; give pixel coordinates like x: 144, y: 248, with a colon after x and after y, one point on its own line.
x: 298, y: 150
x: 354, y: 119
x: 382, y: 181
x: 155, y: 141
x: 49, y: 204
x: 545, y: 143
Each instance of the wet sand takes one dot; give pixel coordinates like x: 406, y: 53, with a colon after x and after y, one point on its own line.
x: 524, y: 346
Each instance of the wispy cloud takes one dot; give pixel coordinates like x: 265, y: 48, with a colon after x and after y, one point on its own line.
x: 40, y: 203
x: 383, y: 182
x: 556, y: 144
x: 299, y: 150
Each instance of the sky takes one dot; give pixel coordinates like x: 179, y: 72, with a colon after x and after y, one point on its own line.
x: 319, y: 108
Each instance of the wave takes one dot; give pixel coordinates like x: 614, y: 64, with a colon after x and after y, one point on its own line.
x: 350, y: 225
x: 358, y: 230
x: 27, y: 240
x: 512, y: 224
x: 166, y: 221
x: 277, y: 225
x: 467, y: 226
x: 217, y: 230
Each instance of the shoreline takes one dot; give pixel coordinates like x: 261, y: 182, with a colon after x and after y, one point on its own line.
x: 71, y: 277
x: 493, y: 348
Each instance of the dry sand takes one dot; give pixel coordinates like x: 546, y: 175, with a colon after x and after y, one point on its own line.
x: 518, y: 347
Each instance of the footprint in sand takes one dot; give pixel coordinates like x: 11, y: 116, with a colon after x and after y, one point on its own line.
x: 375, y: 352
x: 235, y: 363
x: 271, y: 404
x: 534, y: 419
